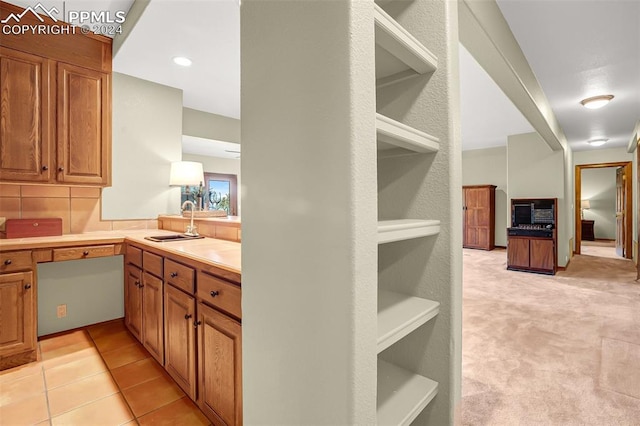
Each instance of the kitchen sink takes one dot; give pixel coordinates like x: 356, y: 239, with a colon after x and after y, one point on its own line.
x: 173, y: 237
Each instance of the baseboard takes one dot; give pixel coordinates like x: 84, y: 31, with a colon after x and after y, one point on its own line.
x: 605, y: 239
x: 500, y: 247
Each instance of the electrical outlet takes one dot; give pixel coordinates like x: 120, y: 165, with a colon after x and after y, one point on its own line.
x: 62, y: 311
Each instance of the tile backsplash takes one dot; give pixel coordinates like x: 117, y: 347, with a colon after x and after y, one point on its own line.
x: 79, y: 207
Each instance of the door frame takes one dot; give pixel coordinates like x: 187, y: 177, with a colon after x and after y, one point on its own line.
x: 628, y: 176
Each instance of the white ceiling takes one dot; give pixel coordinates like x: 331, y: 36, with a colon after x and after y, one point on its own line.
x: 210, y: 148
x: 579, y: 49
x: 207, y: 32
x: 486, y: 114
x: 570, y: 58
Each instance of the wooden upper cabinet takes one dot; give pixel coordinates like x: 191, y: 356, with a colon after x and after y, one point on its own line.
x: 55, y: 105
x: 25, y: 113
x: 84, y: 124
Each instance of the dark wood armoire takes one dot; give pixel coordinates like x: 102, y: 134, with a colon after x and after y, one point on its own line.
x: 479, y: 216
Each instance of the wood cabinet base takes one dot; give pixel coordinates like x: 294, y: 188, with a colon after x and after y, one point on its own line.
x: 16, y: 360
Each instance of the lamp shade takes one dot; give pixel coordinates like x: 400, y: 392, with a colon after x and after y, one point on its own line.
x: 585, y: 204
x: 186, y: 173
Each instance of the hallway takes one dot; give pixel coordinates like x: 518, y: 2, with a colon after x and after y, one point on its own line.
x: 550, y: 350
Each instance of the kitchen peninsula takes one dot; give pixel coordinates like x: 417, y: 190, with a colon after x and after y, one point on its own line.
x: 181, y: 299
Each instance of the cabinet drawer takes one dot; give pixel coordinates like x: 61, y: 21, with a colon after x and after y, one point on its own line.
x: 152, y: 263
x: 220, y: 293
x: 134, y: 256
x: 179, y: 275
x: 83, y: 252
x: 15, y: 260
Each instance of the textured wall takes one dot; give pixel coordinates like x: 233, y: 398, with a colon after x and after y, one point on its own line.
x: 147, y: 137
x: 535, y: 171
x: 92, y: 289
x: 489, y: 167
x: 427, y: 187
x: 309, y: 213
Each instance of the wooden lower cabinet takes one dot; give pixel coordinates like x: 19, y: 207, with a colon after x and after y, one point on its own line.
x: 219, y: 366
x: 189, y: 321
x: 518, y: 253
x: 542, y: 255
x: 133, y: 300
x: 180, y: 335
x: 152, y: 316
x: 17, y: 319
x: 531, y: 254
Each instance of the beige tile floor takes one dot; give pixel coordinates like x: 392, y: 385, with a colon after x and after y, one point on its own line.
x: 99, y: 375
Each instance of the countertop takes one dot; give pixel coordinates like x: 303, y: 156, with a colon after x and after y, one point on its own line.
x: 219, y: 253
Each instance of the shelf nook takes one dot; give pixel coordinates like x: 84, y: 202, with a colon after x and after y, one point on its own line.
x: 400, y: 314
x: 406, y: 229
x: 399, y: 55
x: 395, y: 138
x: 402, y: 395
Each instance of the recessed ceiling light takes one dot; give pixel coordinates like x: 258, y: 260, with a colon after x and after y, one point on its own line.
x: 597, y: 142
x: 182, y: 61
x: 596, y: 102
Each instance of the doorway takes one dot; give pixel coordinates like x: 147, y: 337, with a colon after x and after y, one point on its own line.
x: 585, y: 228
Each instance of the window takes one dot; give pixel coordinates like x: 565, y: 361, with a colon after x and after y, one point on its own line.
x: 221, y: 192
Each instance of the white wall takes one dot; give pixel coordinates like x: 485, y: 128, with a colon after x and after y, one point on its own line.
x: 599, y: 187
x: 92, y: 289
x: 596, y: 156
x: 309, y: 221
x: 228, y: 166
x: 569, y: 196
x: 147, y: 137
x: 535, y: 171
x: 489, y: 167
x: 210, y: 126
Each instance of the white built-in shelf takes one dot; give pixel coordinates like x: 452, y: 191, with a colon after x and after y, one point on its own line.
x: 395, y: 138
x: 400, y: 314
x: 402, y: 395
x: 406, y: 229
x: 399, y: 55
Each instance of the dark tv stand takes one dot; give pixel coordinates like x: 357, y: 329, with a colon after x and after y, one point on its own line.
x: 532, y: 239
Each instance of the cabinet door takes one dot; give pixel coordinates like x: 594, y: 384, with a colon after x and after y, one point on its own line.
x: 542, y: 254
x: 133, y: 301
x: 152, y: 316
x: 17, y: 313
x: 84, y: 122
x: 518, y: 252
x: 25, y: 112
x: 180, y: 338
x: 219, y: 367
x: 478, y: 212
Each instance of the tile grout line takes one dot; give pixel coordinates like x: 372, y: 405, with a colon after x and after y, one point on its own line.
x: 46, y: 391
x: 135, y: 419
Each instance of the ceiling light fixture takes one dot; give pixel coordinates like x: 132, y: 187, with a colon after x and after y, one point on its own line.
x: 596, y: 102
x: 597, y: 142
x: 182, y: 61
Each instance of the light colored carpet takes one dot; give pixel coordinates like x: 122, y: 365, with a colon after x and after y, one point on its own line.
x: 599, y: 248
x: 550, y: 350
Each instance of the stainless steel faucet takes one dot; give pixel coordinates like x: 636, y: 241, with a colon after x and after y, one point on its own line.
x: 191, y: 230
